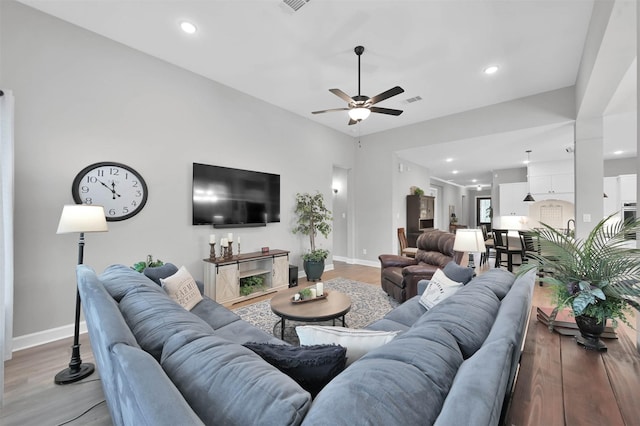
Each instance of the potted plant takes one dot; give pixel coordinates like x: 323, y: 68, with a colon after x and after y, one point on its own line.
x: 597, y: 277
x: 313, y: 218
x: 149, y: 263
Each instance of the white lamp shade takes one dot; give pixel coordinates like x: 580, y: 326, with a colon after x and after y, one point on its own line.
x: 469, y: 240
x: 359, y: 114
x: 82, y: 218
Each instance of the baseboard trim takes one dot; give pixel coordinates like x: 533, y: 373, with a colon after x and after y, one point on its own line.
x: 372, y: 263
x: 46, y: 336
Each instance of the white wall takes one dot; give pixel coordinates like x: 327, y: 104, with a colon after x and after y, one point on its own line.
x: 81, y: 99
x: 340, y: 182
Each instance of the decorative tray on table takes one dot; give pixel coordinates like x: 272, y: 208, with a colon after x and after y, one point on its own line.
x: 324, y: 296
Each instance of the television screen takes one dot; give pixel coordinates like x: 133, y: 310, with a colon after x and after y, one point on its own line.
x: 226, y: 197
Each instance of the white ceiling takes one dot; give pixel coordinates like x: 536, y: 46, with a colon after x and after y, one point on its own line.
x: 435, y: 49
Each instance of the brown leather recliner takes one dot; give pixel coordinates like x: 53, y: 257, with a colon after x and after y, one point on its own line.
x: 399, y: 275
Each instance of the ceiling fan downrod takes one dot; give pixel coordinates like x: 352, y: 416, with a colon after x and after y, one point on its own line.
x: 359, y: 51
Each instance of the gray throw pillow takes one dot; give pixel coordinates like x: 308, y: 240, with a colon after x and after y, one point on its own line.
x: 158, y: 272
x: 461, y: 274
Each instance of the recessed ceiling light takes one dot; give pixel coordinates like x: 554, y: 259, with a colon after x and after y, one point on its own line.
x: 455, y: 172
x: 474, y: 180
x: 188, y: 27
x: 492, y: 69
x: 448, y: 160
x: 618, y: 152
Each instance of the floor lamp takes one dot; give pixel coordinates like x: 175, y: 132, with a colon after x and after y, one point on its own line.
x: 469, y: 240
x: 79, y: 218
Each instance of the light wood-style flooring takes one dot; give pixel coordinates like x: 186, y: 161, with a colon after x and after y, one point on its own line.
x: 31, y: 397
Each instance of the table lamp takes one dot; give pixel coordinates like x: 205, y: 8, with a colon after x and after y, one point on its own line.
x: 469, y: 240
x: 79, y: 218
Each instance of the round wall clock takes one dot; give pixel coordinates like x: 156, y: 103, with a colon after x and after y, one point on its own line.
x: 117, y: 187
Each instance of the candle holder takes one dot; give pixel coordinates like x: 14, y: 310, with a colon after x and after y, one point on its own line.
x: 226, y: 252
x: 212, y: 252
x: 238, y: 247
x: 230, y: 248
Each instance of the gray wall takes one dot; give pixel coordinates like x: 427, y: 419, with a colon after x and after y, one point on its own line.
x: 81, y: 99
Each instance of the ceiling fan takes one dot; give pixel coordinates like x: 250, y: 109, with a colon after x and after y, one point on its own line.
x: 360, y: 106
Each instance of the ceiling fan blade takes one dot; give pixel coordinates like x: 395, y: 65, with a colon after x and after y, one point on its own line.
x: 386, y: 95
x: 386, y: 111
x: 330, y: 110
x: 339, y: 93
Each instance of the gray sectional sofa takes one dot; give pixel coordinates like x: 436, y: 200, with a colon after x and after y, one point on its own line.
x: 162, y: 365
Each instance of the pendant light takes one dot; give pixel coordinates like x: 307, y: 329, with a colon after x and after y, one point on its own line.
x: 529, y: 198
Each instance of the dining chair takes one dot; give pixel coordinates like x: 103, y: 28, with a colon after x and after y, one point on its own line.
x: 502, y: 245
x: 488, y: 243
x: 405, y: 250
x: 530, y: 244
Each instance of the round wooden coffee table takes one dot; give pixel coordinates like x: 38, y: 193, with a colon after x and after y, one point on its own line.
x: 335, y: 305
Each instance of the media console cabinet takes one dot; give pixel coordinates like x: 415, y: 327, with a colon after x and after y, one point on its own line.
x: 222, y: 275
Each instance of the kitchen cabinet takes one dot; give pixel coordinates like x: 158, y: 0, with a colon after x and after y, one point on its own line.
x: 511, y: 196
x: 561, y: 183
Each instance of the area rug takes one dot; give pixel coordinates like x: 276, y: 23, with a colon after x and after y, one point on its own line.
x: 368, y: 304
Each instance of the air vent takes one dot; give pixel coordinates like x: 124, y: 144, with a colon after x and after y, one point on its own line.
x: 414, y: 99
x: 295, y: 4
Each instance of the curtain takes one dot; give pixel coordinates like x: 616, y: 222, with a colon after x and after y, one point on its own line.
x: 6, y: 230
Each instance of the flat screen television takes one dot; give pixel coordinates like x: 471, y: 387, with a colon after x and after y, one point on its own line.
x: 226, y: 197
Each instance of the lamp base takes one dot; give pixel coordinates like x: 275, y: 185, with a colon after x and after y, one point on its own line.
x: 69, y: 375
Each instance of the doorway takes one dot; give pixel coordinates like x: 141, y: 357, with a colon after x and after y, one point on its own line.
x: 484, y: 212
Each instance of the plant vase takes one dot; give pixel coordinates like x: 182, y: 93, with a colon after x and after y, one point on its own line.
x: 590, y: 331
x: 313, y: 269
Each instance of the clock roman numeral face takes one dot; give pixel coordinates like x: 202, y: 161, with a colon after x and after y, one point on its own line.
x: 118, y: 188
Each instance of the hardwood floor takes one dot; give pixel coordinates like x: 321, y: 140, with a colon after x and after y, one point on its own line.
x: 31, y: 397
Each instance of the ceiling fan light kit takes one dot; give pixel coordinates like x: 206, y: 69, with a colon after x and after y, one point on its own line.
x: 359, y: 114
x: 360, y: 106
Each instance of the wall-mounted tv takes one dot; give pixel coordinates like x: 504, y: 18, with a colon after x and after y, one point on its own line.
x: 226, y: 197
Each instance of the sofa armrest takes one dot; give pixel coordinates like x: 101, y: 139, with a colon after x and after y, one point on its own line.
x: 392, y: 260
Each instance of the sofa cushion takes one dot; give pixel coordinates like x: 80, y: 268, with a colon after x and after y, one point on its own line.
x: 407, y: 313
x: 358, y: 342
x: 145, y: 392
x: 478, y: 390
x: 440, y: 287
x: 417, y: 371
x: 468, y: 316
x: 182, y: 288
x: 498, y: 280
x: 312, y: 367
x: 461, y: 274
x: 156, y: 273
x: 213, y: 313
x: 228, y: 384
x: 153, y: 317
x: 242, y: 332
x: 384, y: 324
x: 120, y: 279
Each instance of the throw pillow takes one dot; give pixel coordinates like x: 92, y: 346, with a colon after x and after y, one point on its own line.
x: 182, y: 288
x: 440, y: 287
x: 156, y: 273
x: 461, y: 274
x: 357, y: 342
x: 311, y: 366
